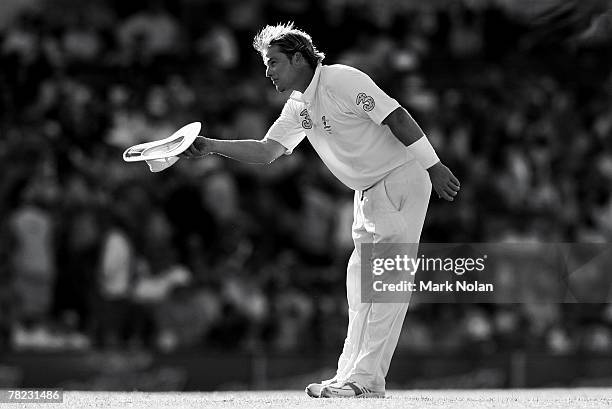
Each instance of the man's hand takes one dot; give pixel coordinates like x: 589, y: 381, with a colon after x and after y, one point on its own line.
x: 199, y: 148
x: 444, y: 182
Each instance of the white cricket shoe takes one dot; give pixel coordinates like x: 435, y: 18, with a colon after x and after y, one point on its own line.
x: 314, y: 389
x: 349, y: 389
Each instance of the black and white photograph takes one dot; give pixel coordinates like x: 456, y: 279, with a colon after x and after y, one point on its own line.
x: 306, y: 204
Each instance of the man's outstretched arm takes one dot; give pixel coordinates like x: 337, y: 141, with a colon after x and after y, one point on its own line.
x: 244, y: 150
x: 405, y: 128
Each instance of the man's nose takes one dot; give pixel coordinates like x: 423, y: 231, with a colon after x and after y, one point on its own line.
x: 267, y: 72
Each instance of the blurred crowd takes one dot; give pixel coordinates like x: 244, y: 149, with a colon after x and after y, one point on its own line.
x: 98, y: 253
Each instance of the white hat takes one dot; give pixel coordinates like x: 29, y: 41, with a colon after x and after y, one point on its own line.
x: 163, y: 153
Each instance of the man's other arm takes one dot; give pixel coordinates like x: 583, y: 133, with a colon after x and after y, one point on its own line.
x: 405, y: 128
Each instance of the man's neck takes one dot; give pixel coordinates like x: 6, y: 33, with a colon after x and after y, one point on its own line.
x: 306, y: 80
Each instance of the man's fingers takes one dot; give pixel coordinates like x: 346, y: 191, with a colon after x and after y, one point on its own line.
x: 442, y: 194
x: 190, y: 153
x: 446, y: 196
x: 447, y: 192
x: 197, y: 148
x: 446, y: 185
x: 450, y: 191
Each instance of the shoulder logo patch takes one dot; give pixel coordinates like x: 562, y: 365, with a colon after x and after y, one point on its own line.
x: 366, y: 100
x: 306, y: 122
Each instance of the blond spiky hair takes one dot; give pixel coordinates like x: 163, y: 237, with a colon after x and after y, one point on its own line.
x: 290, y: 40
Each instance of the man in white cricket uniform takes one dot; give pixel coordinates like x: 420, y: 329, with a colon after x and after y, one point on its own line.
x: 373, y: 146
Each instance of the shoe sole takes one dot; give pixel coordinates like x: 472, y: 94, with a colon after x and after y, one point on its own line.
x: 366, y: 395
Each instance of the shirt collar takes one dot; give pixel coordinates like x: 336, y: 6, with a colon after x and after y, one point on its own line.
x: 308, y: 95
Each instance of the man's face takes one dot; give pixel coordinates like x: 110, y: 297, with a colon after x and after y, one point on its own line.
x: 280, y: 69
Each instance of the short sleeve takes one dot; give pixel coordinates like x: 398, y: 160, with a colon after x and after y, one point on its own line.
x: 359, y: 92
x: 287, y: 129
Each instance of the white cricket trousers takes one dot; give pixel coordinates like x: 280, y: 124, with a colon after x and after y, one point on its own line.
x: 391, y: 211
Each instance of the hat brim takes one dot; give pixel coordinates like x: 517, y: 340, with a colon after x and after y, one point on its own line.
x: 171, y: 146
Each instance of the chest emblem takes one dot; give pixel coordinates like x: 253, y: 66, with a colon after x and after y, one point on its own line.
x: 326, y: 125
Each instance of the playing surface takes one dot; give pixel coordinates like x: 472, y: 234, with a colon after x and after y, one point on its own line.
x: 421, y: 399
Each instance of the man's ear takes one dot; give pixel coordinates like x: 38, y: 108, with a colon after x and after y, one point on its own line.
x: 297, y: 58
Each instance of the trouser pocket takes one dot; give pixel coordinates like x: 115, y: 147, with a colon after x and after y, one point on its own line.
x: 395, y: 192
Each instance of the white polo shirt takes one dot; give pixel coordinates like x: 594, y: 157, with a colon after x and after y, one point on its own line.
x: 341, y: 113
